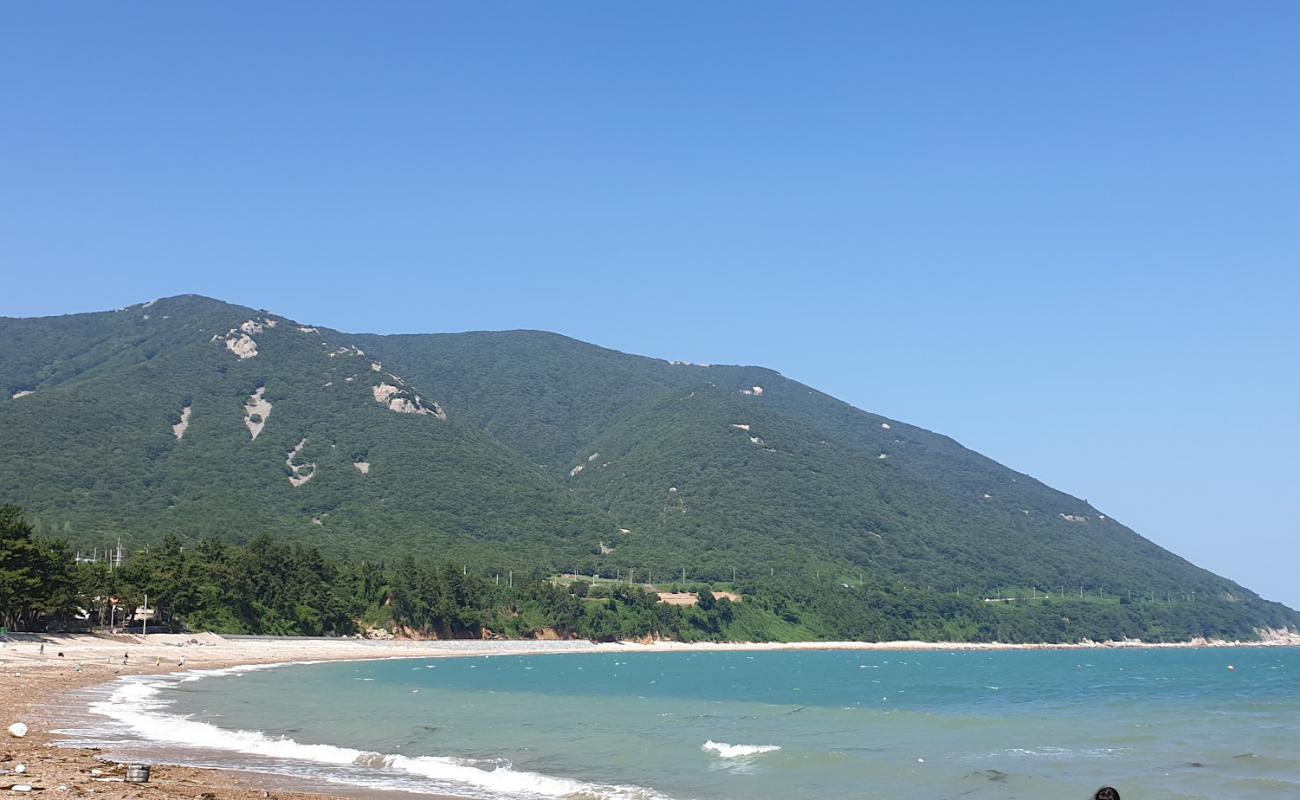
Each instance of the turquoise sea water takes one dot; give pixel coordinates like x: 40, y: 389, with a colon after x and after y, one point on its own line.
x: 814, y: 724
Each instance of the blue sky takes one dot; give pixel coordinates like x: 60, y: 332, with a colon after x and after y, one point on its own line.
x: 1067, y: 235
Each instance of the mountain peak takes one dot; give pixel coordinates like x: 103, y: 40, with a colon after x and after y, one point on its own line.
x: 515, y: 448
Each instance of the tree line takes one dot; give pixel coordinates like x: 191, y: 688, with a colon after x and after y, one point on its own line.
x: 270, y: 587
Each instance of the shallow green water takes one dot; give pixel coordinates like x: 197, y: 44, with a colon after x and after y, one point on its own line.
x: 1037, y: 724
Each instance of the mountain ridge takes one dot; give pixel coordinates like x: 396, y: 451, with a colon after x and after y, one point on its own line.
x: 513, y: 449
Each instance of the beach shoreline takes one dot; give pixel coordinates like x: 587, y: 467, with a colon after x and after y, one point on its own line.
x: 42, y: 691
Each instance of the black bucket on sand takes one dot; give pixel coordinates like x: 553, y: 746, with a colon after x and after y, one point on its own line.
x: 137, y: 773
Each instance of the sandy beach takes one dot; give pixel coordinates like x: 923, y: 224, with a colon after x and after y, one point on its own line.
x: 38, y: 689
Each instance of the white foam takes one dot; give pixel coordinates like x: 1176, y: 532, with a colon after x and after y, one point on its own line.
x: 139, y: 705
x: 724, y: 750
x: 509, y: 782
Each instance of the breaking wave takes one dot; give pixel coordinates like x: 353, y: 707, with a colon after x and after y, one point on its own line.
x: 724, y: 750
x: 140, y: 706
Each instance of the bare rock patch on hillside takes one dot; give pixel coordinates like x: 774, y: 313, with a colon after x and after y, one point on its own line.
x: 300, y: 473
x: 403, y: 402
x: 243, y: 346
x: 178, y: 430
x: 257, y: 410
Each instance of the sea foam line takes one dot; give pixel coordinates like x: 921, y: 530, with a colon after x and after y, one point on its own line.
x: 139, y: 705
x: 724, y: 750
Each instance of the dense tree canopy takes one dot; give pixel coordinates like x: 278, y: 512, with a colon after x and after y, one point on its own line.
x: 270, y: 587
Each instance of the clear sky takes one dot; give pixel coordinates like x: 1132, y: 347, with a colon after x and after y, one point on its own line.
x: 1067, y: 234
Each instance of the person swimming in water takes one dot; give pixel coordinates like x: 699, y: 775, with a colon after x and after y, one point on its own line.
x: 1106, y: 793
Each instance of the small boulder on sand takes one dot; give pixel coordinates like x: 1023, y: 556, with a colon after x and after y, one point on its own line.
x: 18, y: 730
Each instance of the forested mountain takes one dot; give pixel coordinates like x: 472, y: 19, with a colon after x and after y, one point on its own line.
x: 519, y: 450
x: 200, y: 418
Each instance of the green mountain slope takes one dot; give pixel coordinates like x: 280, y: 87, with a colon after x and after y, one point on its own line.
x: 518, y: 450
x: 831, y: 487
x: 92, y: 452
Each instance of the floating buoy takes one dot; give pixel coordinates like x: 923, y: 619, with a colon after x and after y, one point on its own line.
x: 1231, y: 668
